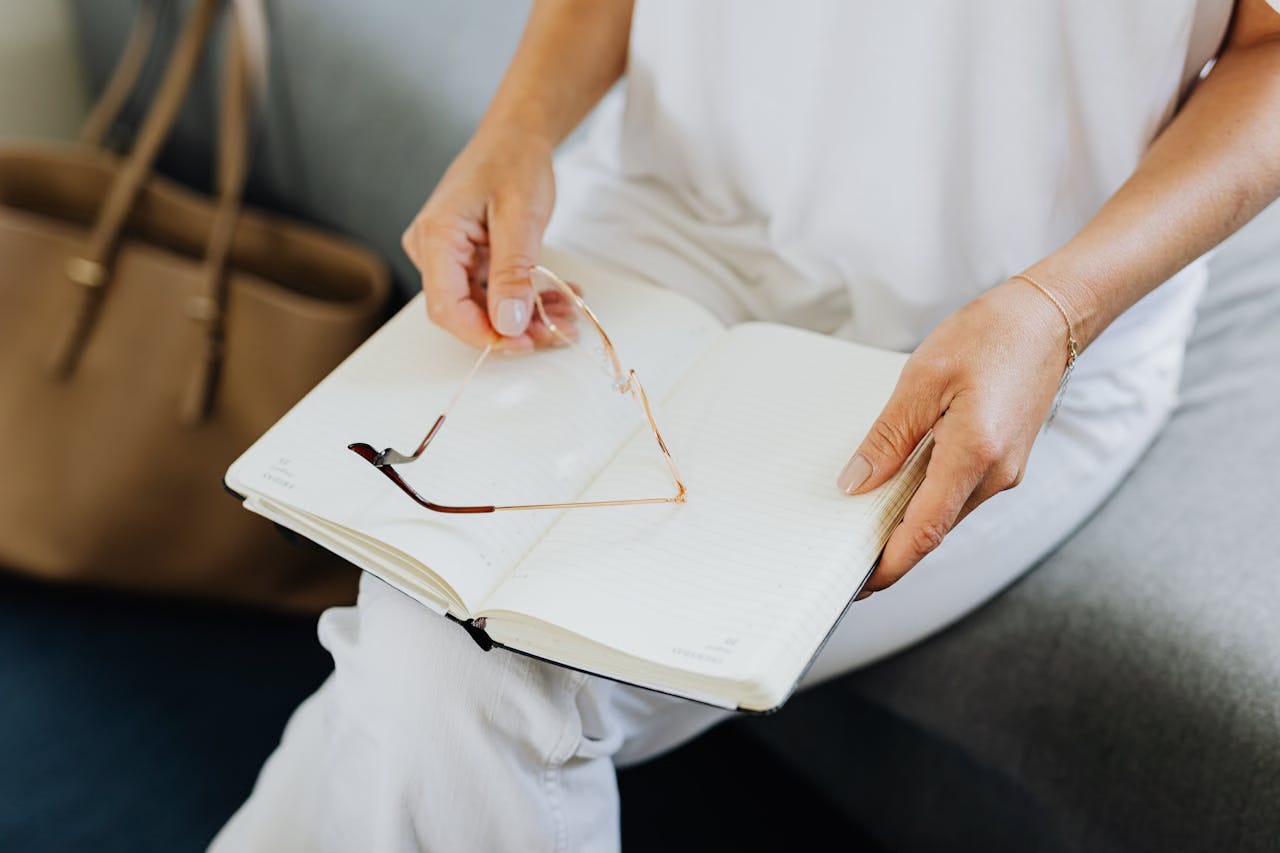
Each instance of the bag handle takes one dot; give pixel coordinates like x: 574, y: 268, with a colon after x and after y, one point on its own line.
x: 208, y: 308
x: 124, y: 78
x: 244, y: 75
x: 91, y: 270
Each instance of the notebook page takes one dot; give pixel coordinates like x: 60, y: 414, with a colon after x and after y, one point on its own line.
x: 363, y: 553
x: 530, y: 429
x: 751, y: 573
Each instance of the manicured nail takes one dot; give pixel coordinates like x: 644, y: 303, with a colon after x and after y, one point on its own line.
x: 854, y: 474
x: 513, y: 316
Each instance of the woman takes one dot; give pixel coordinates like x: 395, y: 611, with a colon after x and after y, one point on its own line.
x: 995, y: 184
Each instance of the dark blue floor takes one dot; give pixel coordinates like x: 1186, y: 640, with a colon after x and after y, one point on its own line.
x: 140, y: 725
x: 128, y: 725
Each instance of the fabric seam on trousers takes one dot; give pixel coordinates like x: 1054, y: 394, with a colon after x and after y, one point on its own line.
x: 553, y: 770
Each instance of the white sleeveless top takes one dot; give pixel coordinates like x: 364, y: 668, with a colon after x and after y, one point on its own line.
x: 864, y: 168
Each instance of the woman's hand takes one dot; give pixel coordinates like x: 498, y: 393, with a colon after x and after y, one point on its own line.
x: 477, y: 236
x: 983, y: 381
x: 985, y: 378
x: 480, y: 232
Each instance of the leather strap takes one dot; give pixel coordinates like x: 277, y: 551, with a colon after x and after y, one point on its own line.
x: 244, y: 77
x: 91, y: 271
x: 251, y: 19
x: 209, y: 308
x: 125, y: 77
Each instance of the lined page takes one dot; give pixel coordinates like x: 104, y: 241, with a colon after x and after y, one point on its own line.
x: 529, y: 429
x: 746, y: 578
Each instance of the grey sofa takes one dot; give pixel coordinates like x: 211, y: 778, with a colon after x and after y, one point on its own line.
x: 1124, y: 696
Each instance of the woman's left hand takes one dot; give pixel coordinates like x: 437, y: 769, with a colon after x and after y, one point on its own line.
x: 983, y: 381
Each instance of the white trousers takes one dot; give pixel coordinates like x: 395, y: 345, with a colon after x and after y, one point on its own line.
x: 421, y: 741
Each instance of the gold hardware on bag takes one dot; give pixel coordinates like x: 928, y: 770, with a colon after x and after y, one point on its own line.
x: 203, y: 309
x: 86, y: 273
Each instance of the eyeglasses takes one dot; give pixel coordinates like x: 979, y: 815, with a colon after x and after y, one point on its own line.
x: 552, y: 298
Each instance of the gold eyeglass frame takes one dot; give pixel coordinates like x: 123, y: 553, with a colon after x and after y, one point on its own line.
x: 624, y: 382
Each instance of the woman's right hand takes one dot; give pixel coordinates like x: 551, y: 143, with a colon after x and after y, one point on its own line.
x: 477, y: 236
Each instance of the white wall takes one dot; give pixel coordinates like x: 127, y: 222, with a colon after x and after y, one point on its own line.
x: 41, y: 84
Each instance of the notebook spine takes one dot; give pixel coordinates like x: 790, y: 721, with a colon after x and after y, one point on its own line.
x: 475, y: 627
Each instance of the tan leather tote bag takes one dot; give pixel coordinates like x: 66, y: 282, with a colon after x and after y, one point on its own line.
x: 147, y: 336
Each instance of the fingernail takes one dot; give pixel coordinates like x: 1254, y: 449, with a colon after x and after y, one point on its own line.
x: 854, y: 474
x: 513, y: 316
x: 865, y: 594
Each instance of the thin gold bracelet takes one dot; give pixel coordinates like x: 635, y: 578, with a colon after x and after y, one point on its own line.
x: 1073, y: 348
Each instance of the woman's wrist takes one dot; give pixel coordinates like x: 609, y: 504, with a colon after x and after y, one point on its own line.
x: 528, y: 121
x: 1031, y: 311
x: 1072, y: 284
x: 507, y: 144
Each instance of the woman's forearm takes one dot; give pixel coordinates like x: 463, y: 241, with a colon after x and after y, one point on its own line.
x: 984, y: 380
x: 486, y: 217
x: 571, y: 52
x: 1213, y: 168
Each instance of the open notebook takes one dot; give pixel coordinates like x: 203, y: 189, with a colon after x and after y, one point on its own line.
x: 725, y: 599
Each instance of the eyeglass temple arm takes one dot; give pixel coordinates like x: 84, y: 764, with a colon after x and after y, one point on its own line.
x: 368, y: 454
x: 391, y: 456
x: 630, y: 384
x: 633, y: 382
x: 374, y: 458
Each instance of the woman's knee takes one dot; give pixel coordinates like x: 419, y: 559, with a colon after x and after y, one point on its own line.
x: 398, y: 662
